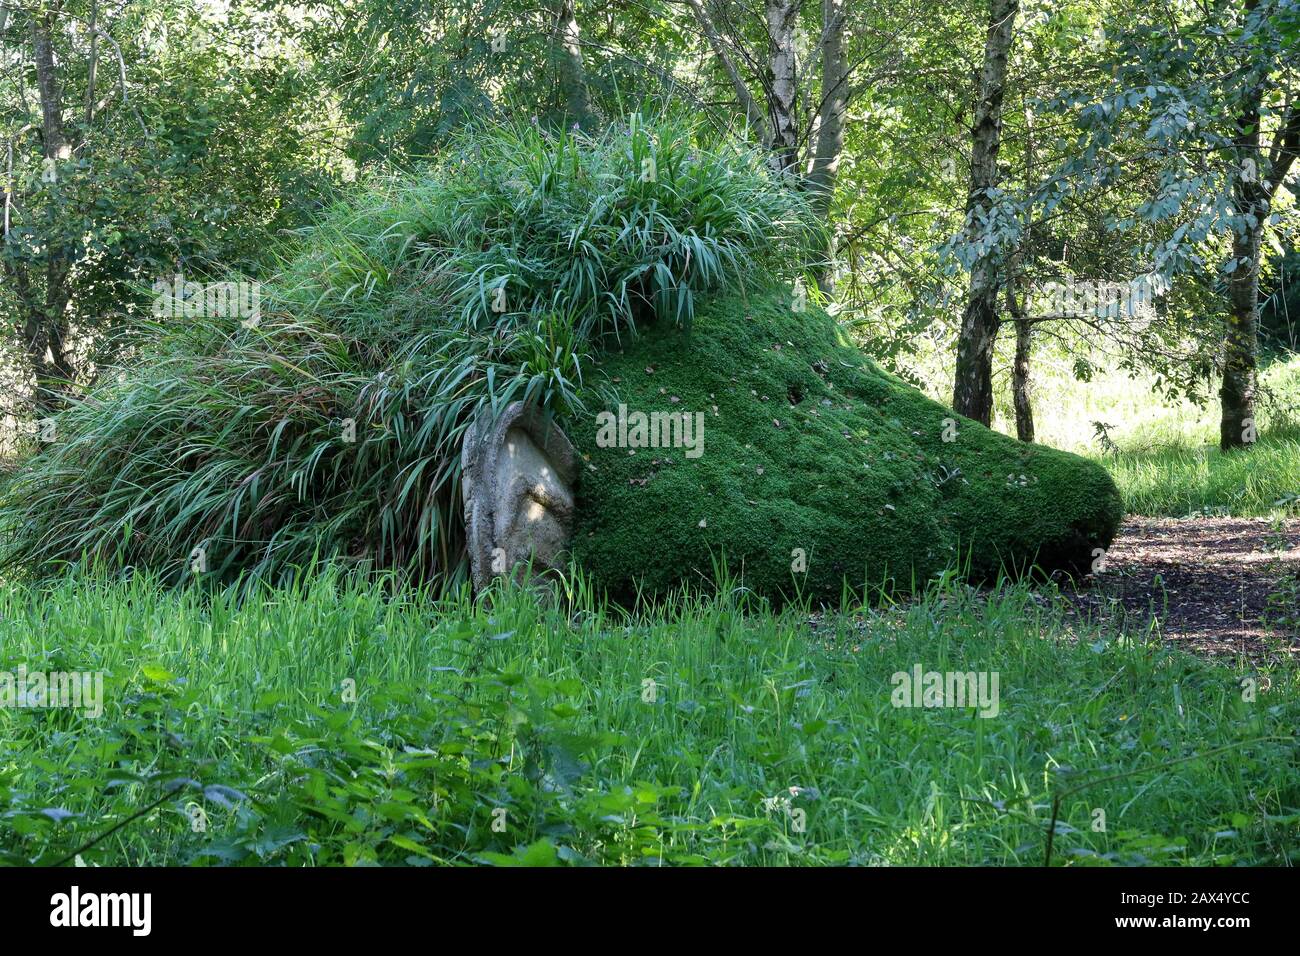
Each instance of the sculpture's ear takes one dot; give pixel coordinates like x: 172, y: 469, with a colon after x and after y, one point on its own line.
x: 517, y: 479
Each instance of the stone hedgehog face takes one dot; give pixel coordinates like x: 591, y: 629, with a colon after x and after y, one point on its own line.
x: 517, y: 492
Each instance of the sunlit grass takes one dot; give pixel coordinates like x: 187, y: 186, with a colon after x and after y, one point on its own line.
x: 1166, y: 459
x: 1163, y: 454
x: 674, y: 735
x: 1179, y: 481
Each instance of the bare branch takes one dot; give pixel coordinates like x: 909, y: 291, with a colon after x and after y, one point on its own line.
x: 743, y: 95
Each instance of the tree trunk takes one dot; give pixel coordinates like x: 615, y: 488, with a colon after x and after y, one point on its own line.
x: 573, y: 76
x: 782, y: 15
x: 1237, y: 426
x: 1020, y: 385
x: 824, y: 168
x: 1017, y: 300
x: 92, y: 64
x: 782, y: 122
x: 1251, y: 194
x: 1258, y: 179
x: 47, y: 82
x: 45, y: 323
x: 1021, y: 399
x: 972, y: 393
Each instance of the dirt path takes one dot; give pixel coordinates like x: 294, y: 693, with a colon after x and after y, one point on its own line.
x: 1206, y: 582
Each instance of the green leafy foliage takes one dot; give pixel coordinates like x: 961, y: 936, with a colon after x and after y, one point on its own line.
x: 191, y: 168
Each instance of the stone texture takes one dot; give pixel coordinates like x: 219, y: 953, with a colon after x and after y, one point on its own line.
x: 517, y: 489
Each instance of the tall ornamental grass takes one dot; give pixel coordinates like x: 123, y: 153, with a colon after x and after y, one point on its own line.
x: 332, y: 426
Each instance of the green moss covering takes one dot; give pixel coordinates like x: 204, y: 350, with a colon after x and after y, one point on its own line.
x: 808, y: 446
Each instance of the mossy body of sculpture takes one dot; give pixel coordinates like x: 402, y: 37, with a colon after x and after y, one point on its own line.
x: 814, y: 468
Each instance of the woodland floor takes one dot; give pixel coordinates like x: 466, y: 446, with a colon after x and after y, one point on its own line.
x: 1214, y: 586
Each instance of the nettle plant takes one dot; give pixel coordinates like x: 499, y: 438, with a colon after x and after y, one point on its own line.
x: 332, y: 427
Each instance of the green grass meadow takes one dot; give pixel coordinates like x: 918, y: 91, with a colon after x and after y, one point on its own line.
x: 1165, y: 456
x: 338, y: 723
